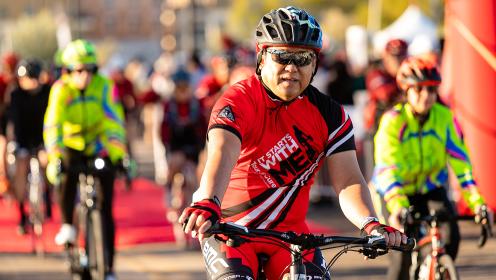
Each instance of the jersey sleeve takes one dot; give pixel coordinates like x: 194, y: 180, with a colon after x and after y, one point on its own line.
x: 114, y: 123
x: 458, y: 159
x: 233, y: 112
x: 341, y: 137
x: 389, y: 159
x: 52, y: 125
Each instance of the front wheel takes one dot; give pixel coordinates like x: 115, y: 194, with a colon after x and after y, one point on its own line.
x: 446, y: 269
x: 96, y: 246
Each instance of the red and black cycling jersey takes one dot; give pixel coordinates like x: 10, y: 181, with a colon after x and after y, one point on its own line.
x: 183, y: 126
x: 282, y: 147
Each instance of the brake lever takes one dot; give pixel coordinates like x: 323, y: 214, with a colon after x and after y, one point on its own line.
x: 486, y: 230
x: 376, y: 247
x: 372, y: 253
x: 483, y: 237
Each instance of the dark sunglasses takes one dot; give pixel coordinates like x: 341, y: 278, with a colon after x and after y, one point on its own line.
x: 429, y: 89
x: 92, y: 69
x: 298, y: 59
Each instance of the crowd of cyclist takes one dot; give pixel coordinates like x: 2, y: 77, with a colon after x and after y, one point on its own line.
x: 69, y: 112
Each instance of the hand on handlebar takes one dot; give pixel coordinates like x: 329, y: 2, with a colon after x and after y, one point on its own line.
x: 392, y: 236
x: 484, y: 216
x: 200, y: 216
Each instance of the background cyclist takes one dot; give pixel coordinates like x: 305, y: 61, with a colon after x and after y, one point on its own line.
x: 415, y: 143
x: 183, y: 135
x: 29, y: 100
x: 268, y: 135
x: 84, y: 120
x: 8, y: 80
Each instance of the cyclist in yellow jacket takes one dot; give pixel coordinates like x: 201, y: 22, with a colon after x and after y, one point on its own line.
x: 83, y: 121
x: 415, y: 143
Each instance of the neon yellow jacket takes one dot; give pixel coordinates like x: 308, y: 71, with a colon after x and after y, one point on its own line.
x: 411, y: 159
x: 91, y: 122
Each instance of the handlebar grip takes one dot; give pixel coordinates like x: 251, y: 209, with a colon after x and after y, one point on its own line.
x: 408, y: 247
x: 486, y: 230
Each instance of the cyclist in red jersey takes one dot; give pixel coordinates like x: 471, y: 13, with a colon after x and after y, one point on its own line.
x: 268, y: 135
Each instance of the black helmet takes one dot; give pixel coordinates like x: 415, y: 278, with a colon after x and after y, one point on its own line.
x: 29, y: 68
x: 289, y: 26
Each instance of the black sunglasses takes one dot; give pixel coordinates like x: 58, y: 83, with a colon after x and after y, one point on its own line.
x: 429, y: 89
x: 298, y: 59
x: 87, y: 68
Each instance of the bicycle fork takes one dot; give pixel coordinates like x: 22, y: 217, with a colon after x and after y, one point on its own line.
x: 434, y: 239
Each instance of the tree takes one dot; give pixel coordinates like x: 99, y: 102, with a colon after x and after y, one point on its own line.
x: 392, y: 9
x: 34, y: 36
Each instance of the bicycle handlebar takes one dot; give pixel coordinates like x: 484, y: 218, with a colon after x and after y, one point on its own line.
x: 372, y: 245
x: 90, y: 166
x: 411, y: 217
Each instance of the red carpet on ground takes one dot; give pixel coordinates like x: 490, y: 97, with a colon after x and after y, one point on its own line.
x: 139, y: 216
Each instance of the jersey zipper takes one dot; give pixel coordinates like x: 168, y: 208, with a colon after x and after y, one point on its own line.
x: 83, y: 102
x: 419, y: 181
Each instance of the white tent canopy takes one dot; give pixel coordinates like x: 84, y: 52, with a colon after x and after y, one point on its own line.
x: 418, y: 30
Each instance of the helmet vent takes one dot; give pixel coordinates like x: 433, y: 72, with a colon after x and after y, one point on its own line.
x: 288, y: 31
x: 267, y: 19
x: 303, y: 32
x: 315, y: 35
x: 272, y: 32
x: 283, y: 15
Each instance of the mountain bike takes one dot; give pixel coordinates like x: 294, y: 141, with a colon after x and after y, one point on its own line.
x: 369, y: 246
x: 88, y: 257
x: 436, y: 264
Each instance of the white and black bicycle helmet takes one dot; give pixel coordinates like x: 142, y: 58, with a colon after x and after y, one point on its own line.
x: 289, y: 26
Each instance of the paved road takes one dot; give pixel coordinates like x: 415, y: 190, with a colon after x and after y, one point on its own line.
x: 164, y: 261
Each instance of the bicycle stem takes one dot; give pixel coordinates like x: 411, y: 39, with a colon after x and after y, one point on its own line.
x: 297, y: 270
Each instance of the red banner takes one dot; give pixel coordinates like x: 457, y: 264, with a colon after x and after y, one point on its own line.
x: 469, y: 79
